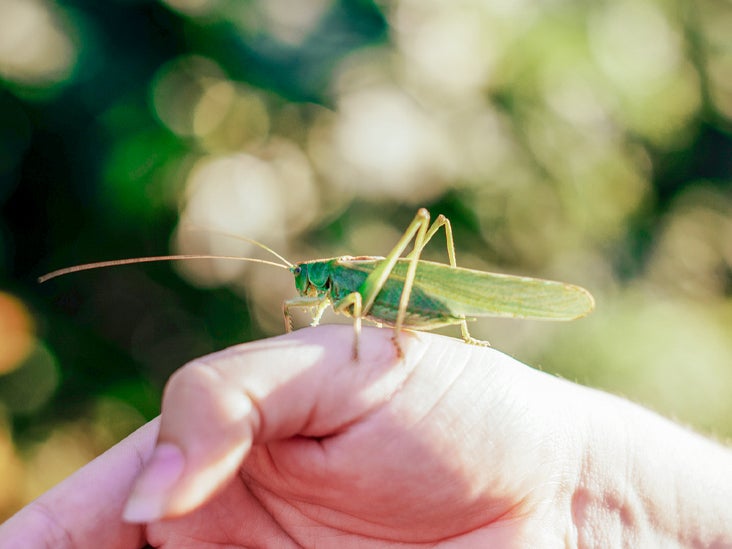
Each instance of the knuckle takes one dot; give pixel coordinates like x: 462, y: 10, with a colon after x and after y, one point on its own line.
x: 195, y: 378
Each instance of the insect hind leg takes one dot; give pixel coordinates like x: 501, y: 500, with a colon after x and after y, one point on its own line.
x: 420, y: 231
x: 441, y: 221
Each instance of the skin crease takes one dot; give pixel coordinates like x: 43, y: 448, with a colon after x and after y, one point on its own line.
x: 286, y: 442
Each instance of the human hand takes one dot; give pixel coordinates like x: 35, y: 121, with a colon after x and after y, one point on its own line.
x: 286, y: 442
x: 452, y: 443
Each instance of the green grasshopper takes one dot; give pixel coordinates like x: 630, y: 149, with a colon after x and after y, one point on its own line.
x: 407, y: 292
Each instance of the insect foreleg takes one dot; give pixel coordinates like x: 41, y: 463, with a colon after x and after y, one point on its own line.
x: 303, y: 303
x: 319, y: 310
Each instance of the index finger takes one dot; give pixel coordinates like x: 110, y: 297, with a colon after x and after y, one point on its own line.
x: 304, y: 383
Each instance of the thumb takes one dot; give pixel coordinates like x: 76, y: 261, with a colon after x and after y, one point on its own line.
x: 214, y: 408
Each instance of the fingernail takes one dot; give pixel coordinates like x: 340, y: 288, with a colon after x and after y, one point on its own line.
x: 152, y: 489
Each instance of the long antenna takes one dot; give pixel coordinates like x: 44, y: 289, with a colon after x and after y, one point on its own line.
x: 116, y: 262
x: 190, y: 227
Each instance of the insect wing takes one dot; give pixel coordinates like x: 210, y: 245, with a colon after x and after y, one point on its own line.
x: 479, y: 293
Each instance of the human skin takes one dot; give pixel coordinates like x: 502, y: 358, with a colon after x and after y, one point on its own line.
x: 287, y: 442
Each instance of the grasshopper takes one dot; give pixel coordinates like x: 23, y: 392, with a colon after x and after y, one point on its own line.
x: 407, y: 292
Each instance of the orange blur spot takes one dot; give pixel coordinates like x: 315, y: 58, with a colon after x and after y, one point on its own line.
x: 16, y: 332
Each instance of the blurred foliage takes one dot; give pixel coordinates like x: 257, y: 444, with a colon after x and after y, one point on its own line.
x: 587, y: 142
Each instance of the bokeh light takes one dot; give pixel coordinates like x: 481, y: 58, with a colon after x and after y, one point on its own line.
x: 16, y: 333
x: 36, y: 45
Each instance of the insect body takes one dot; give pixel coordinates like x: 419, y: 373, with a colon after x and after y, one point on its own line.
x: 343, y: 274
x: 441, y: 295
x: 407, y: 292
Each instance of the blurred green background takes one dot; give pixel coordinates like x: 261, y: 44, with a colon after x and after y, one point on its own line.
x: 586, y: 142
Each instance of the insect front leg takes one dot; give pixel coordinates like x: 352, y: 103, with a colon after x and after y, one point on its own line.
x: 319, y: 310
x: 303, y: 303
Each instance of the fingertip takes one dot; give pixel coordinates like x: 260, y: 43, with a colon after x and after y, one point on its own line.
x: 153, y: 488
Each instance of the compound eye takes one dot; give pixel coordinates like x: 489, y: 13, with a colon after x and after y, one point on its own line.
x: 297, y: 270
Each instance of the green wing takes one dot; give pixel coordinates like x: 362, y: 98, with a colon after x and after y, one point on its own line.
x: 479, y: 293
